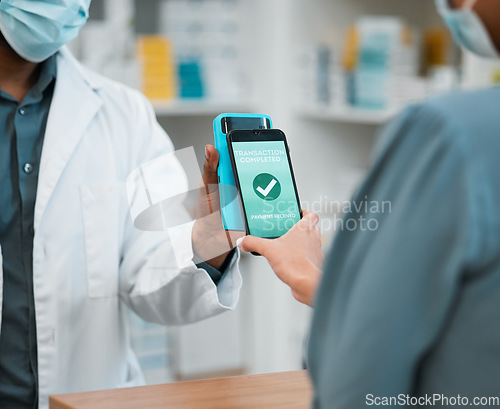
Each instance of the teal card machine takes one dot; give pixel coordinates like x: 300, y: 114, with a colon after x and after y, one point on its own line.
x: 225, y: 123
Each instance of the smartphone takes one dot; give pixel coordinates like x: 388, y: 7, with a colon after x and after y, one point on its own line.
x: 264, y: 177
x: 223, y: 125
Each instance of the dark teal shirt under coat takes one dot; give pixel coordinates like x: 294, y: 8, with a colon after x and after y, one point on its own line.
x: 22, y: 129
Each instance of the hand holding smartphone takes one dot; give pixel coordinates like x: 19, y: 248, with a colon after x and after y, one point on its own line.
x: 264, y: 177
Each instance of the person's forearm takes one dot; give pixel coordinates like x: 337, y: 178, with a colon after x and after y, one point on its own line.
x: 217, y: 262
x: 305, y: 284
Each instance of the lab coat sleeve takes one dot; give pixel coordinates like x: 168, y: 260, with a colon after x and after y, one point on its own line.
x: 386, y: 294
x: 158, y: 278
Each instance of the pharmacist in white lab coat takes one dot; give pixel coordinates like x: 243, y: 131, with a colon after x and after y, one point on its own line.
x: 72, y: 260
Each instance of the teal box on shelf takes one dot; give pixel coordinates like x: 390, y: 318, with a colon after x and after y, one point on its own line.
x: 230, y: 207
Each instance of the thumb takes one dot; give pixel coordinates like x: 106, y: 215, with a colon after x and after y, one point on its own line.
x: 255, y: 244
x: 210, y: 165
x: 310, y: 218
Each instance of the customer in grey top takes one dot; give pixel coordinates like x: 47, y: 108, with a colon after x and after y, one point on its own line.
x: 412, y: 308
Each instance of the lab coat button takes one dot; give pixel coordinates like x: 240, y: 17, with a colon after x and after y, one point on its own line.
x: 28, y: 168
x: 21, y: 111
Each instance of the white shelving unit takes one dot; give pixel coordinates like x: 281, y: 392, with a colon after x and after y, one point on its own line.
x: 183, y: 108
x: 349, y: 115
x: 200, y: 108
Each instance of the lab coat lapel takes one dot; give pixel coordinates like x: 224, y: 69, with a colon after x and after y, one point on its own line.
x: 74, y: 105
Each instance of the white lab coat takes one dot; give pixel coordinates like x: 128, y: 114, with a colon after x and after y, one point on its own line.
x: 89, y: 262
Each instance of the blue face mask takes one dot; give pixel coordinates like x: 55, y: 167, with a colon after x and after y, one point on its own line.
x: 467, y: 28
x: 37, y: 29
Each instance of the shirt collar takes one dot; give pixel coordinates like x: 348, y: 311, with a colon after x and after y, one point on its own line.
x: 48, y: 73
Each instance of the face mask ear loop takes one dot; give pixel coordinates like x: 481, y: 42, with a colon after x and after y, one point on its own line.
x: 468, y: 4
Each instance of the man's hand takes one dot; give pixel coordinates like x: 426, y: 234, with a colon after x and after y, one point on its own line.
x: 296, y: 258
x: 210, y: 241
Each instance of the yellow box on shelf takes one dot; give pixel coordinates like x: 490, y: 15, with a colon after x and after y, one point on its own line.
x: 156, y: 70
x: 156, y: 95
x: 158, y: 73
x: 158, y: 86
x: 351, y: 49
x: 148, y: 85
x: 437, y: 44
x: 152, y: 43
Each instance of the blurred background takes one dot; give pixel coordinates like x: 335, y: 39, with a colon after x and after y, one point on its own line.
x: 329, y: 73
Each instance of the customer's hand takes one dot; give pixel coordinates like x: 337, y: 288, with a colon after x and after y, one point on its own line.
x: 210, y: 241
x: 296, y: 258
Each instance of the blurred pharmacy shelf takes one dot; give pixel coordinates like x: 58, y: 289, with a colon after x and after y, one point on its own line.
x: 181, y: 108
x: 349, y: 115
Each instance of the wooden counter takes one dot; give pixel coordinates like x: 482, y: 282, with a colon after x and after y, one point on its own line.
x: 288, y: 390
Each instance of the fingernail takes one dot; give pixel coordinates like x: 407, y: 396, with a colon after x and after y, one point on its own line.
x: 207, y: 154
x: 239, y: 241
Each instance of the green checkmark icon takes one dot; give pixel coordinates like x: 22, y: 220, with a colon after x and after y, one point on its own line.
x: 266, y: 186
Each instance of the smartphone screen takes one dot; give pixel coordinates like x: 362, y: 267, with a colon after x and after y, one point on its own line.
x: 265, y: 180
